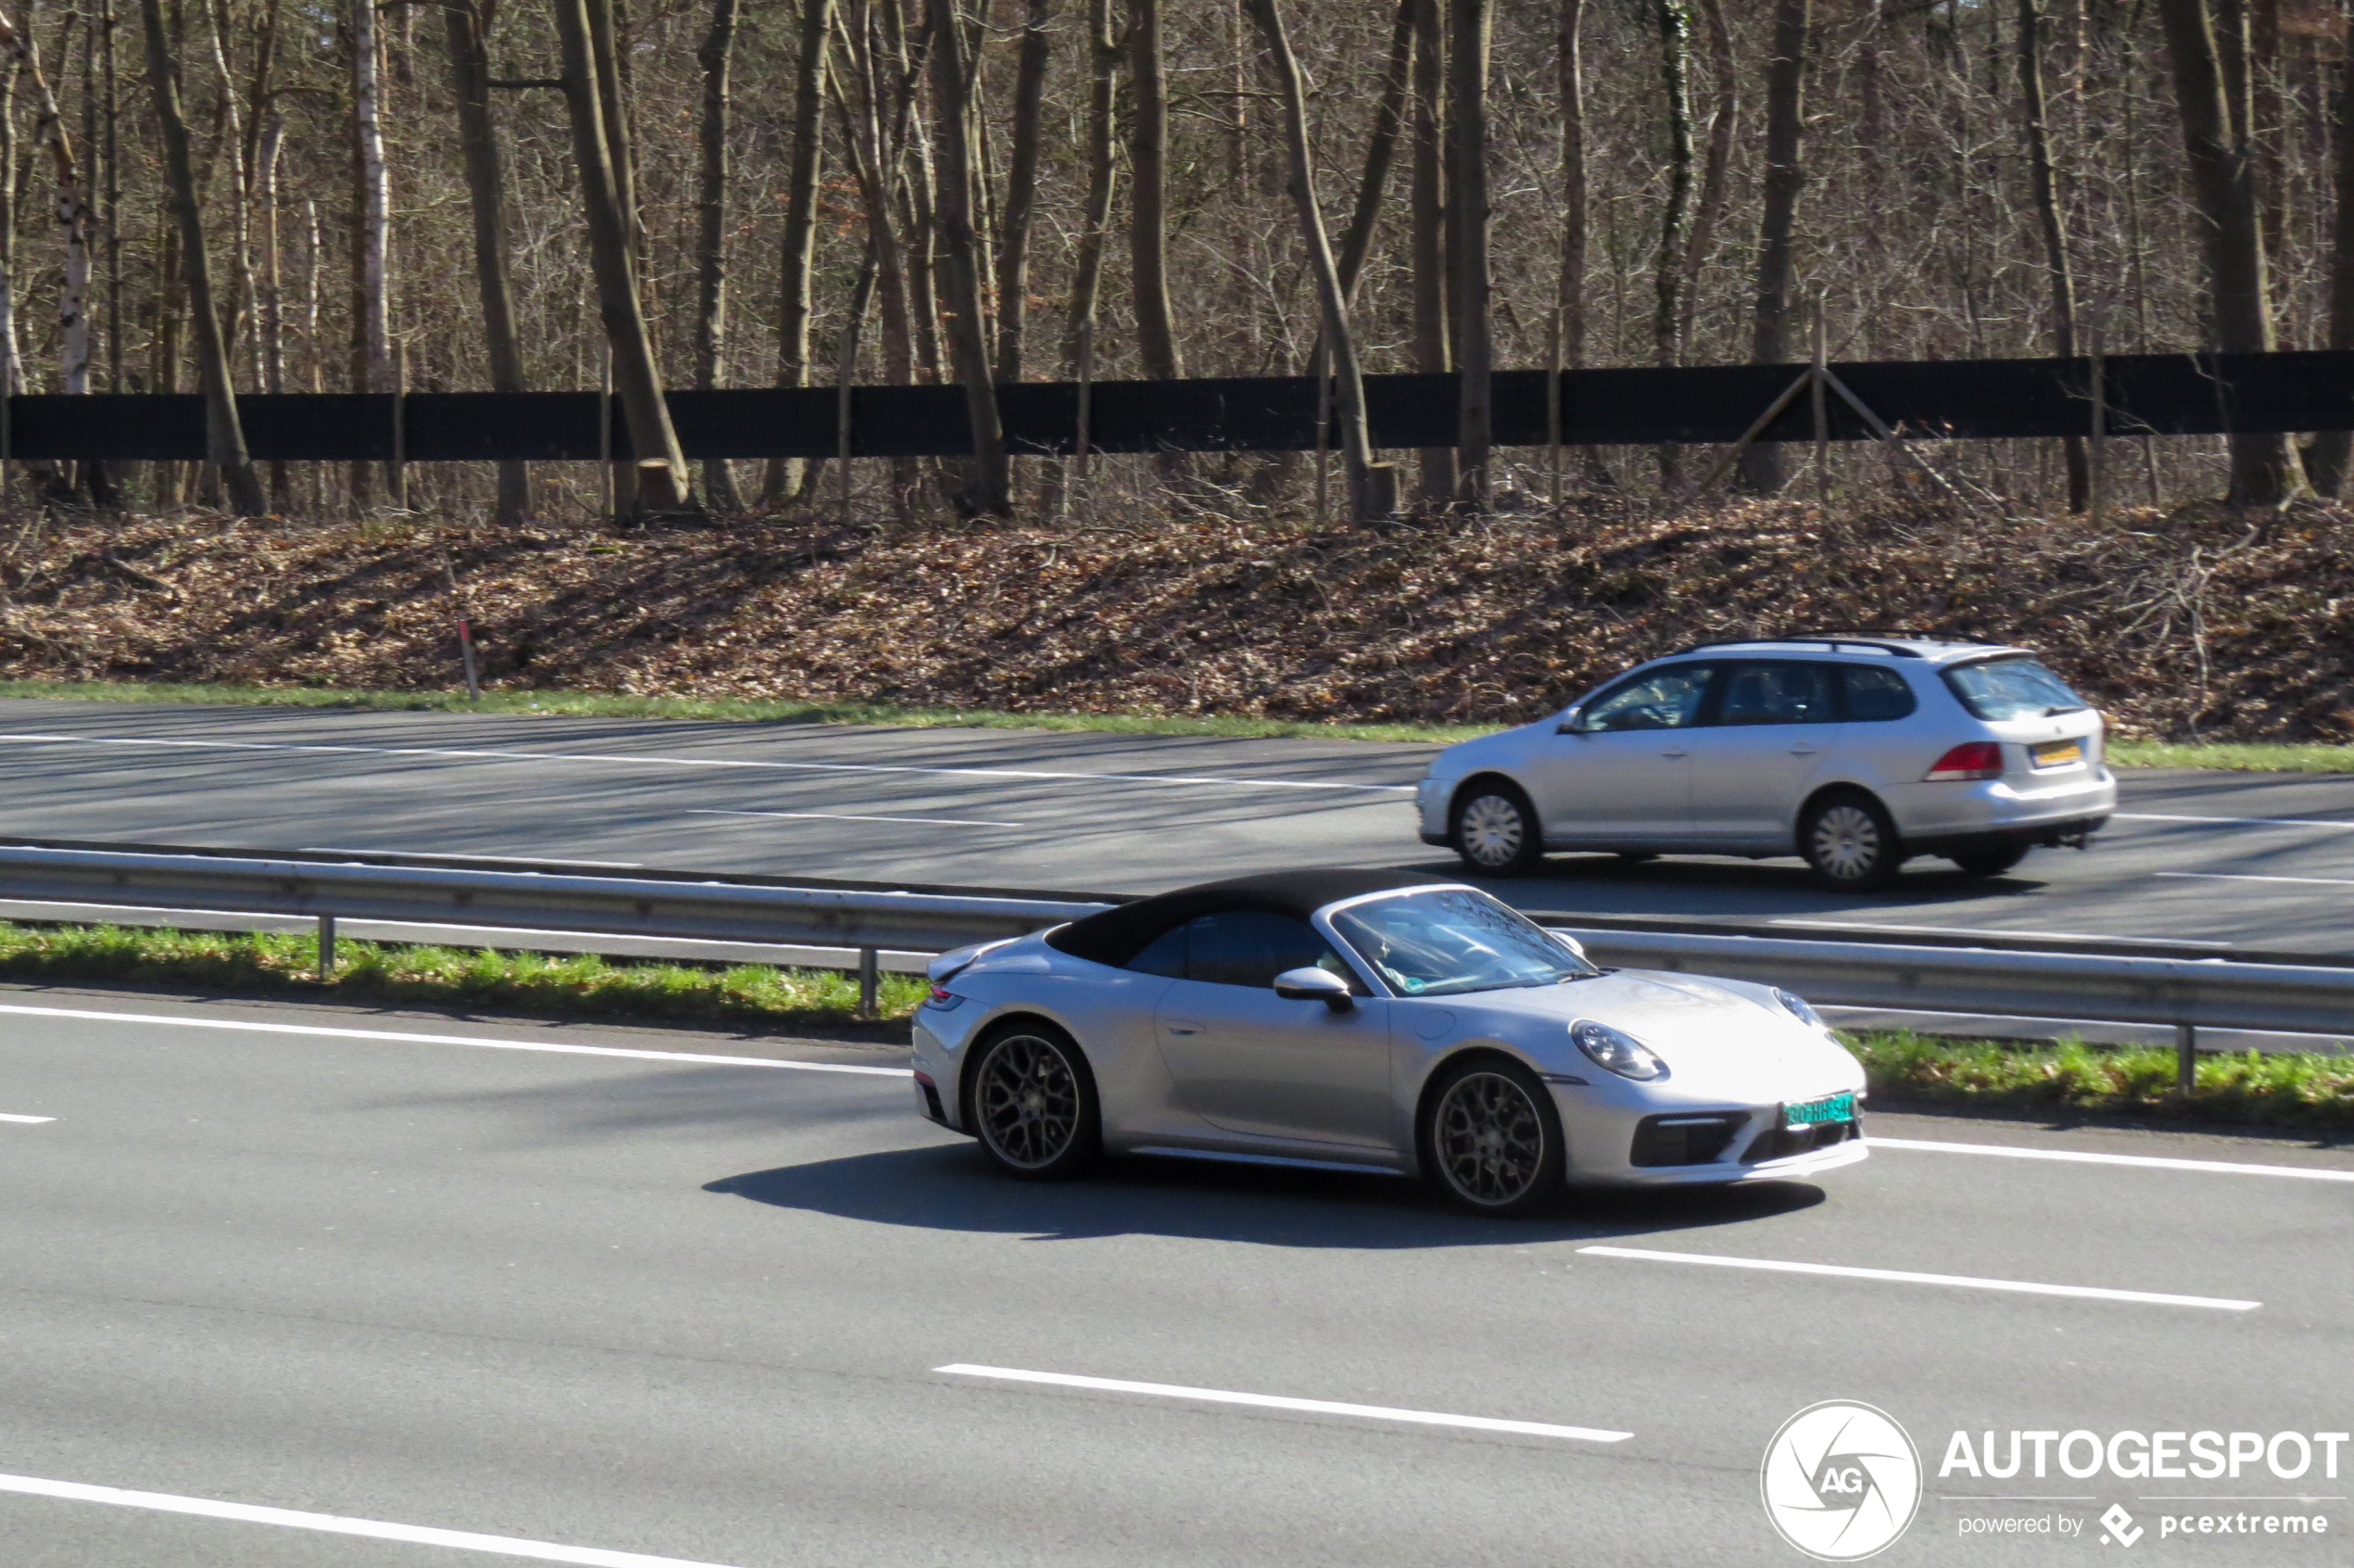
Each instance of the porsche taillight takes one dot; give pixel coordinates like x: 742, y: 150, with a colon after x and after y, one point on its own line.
x: 1973, y: 759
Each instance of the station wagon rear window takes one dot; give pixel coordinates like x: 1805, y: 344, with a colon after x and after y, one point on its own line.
x: 2012, y: 689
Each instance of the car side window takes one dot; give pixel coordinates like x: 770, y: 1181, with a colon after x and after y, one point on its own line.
x: 1875, y: 695
x: 1668, y: 699
x: 1251, y: 947
x: 1791, y: 692
x: 1165, y: 955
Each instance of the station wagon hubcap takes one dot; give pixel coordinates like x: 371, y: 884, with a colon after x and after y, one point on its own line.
x: 1029, y: 1101
x: 1490, y: 1142
x: 1492, y: 831
x: 1846, y: 843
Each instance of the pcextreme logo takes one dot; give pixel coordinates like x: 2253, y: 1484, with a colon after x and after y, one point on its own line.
x: 1841, y: 1480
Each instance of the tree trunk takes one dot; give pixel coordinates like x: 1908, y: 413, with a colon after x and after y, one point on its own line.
x: 2326, y: 458
x: 1021, y: 188
x: 1470, y: 22
x: 467, y: 23
x: 2045, y: 182
x: 786, y: 477
x: 872, y: 167
x: 224, y: 436
x: 1761, y: 467
x: 1667, y: 269
x: 12, y: 355
x: 1381, y: 150
x: 270, y: 318
x: 376, y: 194
x: 988, y: 487
x: 1148, y: 194
x: 2264, y: 468
x: 71, y: 210
x: 1723, y: 123
x: 1333, y: 298
x: 661, y: 472
x: 711, y: 234
x: 1434, y: 465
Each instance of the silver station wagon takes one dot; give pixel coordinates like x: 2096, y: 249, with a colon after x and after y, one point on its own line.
x: 1854, y: 752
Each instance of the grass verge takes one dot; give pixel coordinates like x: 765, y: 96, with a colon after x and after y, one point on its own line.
x: 2310, y: 1092
x: 2238, y: 757
x: 572, y: 986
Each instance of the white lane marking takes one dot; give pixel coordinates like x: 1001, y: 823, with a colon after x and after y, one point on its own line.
x: 2250, y: 877
x: 336, y: 1524
x: 1992, y: 931
x: 1281, y: 1402
x: 479, y: 754
x: 2083, y: 1156
x: 27, y: 1120
x: 323, y: 1032
x: 845, y: 816
x: 1908, y: 1276
x: 2233, y: 821
x: 487, y: 859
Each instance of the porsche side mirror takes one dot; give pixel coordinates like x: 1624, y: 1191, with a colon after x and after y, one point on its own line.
x: 1315, y: 985
x: 1567, y: 941
x: 1569, y: 724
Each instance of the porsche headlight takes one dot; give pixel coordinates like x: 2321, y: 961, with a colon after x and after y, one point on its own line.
x: 1796, y: 1007
x: 1622, y: 1053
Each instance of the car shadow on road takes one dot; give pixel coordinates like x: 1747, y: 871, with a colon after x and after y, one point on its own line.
x: 952, y: 1188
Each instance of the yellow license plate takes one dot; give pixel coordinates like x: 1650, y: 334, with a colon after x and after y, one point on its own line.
x: 2058, y: 754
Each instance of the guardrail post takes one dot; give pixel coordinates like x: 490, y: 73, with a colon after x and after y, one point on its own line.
x: 326, y: 947
x: 869, y: 980
x: 2186, y: 1057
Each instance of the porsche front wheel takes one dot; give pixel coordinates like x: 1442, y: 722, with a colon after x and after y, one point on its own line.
x: 1034, y: 1104
x: 1492, y: 1139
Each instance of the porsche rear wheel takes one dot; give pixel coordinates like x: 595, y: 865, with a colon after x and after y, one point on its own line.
x: 1034, y: 1104
x: 1492, y: 1140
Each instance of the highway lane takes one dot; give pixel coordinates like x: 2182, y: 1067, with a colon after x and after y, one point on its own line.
x: 2248, y: 860
x: 695, y: 1309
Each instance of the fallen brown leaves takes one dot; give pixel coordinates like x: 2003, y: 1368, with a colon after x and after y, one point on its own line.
x: 2203, y: 623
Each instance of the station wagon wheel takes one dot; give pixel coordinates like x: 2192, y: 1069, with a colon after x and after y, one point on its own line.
x: 1496, y: 830
x: 1034, y: 1102
x: 1851, y: 843
x: 1492, y: 1140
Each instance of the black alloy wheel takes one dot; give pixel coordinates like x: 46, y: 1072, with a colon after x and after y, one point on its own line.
x: 1492, y: 1140
x: 1034, y: 1104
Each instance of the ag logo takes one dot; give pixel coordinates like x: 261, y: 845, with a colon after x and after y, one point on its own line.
x: 1841, y: 1480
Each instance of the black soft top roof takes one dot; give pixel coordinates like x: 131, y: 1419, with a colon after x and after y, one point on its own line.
x: 1117, y: 935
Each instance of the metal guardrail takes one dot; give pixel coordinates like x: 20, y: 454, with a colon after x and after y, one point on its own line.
x: 2188, y: 993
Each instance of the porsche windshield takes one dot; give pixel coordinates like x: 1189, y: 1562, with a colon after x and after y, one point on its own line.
x: 1440, y: 943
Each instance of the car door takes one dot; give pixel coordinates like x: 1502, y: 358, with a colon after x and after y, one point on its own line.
x: 1776, y: 720
x: 1247, y: 1060
x: 1619, y: 771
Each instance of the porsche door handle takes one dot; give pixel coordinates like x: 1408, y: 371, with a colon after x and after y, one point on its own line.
x: 1676, y: 752
x: 1184, y: 1028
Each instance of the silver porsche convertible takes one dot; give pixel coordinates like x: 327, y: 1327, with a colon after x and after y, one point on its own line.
x: 1374, y: 1021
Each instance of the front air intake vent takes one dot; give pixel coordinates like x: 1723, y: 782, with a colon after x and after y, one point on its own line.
x: 1684, y: 1139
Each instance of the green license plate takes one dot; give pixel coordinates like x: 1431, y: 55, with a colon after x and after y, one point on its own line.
x: 1814, y: 1112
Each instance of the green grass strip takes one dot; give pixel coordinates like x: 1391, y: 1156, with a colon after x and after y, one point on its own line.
x: 2314, y: 1092
x: 2239, y: 756
x: 2309, y: 1092
x: 568, y: 986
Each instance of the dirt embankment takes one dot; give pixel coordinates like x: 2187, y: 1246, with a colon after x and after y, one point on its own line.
x: 2200, y: 624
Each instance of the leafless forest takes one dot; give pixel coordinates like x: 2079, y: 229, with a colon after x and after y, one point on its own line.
x: 294, y: 195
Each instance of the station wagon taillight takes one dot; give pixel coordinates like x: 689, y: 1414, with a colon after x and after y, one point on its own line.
x: 1975, y: 759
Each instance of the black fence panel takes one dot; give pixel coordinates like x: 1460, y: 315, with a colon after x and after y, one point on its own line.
x: 1969, y: 400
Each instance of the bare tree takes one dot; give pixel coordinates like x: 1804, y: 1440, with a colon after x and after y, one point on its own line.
x: 1340, y: 344
x: 224, y: 435
x: 1761, y: 467
x: 1148, y: 194
x: 589, y: 81
x: 716, y: 56
x: 2326, y: 458
x: 1469, y: 25
x: 2264, y: 468
x: 1432, y: 340
x: 376, y: 196
x: 797, y: 253
x: 1021, y: 185
x: 955, y: 78
x: 2045, y: 182
x: 467, y: 24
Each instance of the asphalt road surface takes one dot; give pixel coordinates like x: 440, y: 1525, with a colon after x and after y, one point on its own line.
x: 2252, y: 861
x: 580, y: 1306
